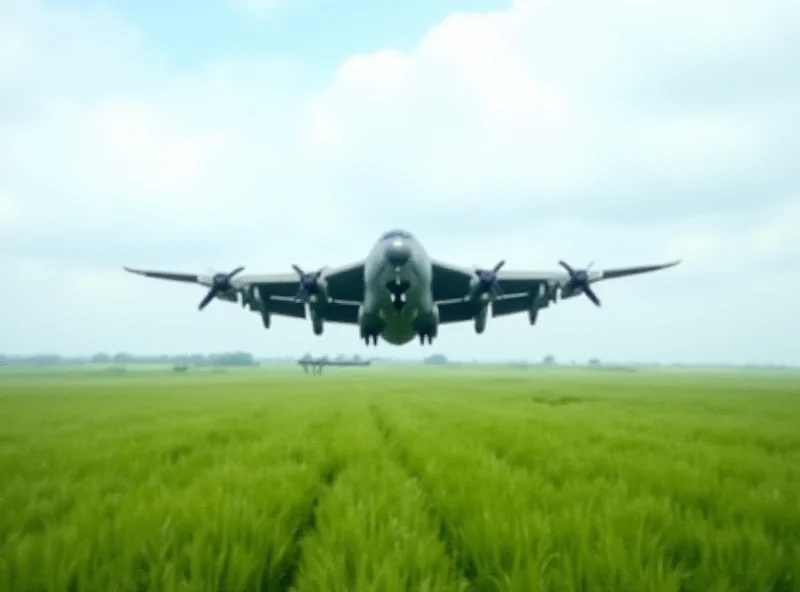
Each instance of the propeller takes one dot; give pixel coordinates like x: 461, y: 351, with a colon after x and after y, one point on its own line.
x: 487, y: 281
x: 220, y: 282
x: 309, y: 284
x: 579, y: 279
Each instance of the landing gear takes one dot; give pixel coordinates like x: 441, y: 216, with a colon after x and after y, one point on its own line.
x: 423, y: 336
x: 373, y: 337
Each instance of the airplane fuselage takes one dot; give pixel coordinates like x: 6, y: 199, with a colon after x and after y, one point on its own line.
x: 398, y: 297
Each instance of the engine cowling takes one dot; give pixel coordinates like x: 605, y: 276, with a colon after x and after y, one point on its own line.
x: 435, y: 320
x: 428, y: 324
x: 252, y: 299
x: 539, y: 301
x: 480, y: 320
x: 229, y: 296
x: 317, y: 322
x: 369, y: 323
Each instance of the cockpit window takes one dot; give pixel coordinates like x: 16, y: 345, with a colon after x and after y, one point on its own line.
x: 396, y: 234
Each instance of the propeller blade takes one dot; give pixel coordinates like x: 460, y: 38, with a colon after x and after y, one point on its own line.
x: 208, y: 298
x: 570, y: 271
x: 591, y: 295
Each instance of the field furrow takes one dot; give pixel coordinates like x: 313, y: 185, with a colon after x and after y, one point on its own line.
x: 228, y: 512
x: 681, y: 515
x: 373, y: 531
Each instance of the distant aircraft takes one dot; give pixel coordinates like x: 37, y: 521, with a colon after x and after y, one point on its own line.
x: 316, y: 365
x: 399, y: 292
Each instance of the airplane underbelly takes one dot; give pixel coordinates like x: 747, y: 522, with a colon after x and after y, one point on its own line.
x: 399, y: 328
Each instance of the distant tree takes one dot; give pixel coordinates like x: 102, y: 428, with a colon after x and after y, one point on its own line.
x: 436, y: 360
x: 101, y: 358
x: 232, y: 359
x: 594, y: 362
x: 549, y: 360
x: 197, y: 359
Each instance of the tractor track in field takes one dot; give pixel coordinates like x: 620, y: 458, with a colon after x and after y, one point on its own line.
x: 306, y: 527
x: 463, y: 562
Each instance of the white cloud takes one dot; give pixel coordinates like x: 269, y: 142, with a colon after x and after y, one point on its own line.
x: 630, y: 134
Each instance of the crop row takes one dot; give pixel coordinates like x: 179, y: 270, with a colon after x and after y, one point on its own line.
x: 538, y: 498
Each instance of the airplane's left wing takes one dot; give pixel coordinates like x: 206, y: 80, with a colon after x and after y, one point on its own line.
x: 513, y: 291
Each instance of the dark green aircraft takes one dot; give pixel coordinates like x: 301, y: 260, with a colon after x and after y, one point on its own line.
x: 398, y: 292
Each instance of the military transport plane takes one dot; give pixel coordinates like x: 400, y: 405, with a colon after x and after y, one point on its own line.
x: 399, y: 292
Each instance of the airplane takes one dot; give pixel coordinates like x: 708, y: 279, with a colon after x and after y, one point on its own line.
x: 399, y: 292
x: 316, y: 365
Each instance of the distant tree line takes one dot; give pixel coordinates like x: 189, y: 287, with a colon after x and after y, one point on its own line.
x: 238, y: 358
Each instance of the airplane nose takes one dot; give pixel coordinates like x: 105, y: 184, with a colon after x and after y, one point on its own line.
x: 398, y: 254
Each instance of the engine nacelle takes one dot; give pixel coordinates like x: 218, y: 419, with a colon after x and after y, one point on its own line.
x: 539, y: 301
x: 369, y: 323
x: 480, y: 320
x: 435, y: 320
x: 317, y: 322
x: 251, y: 298
x: 322, y: 297
x: 428, y: 324
x: 230, y: 296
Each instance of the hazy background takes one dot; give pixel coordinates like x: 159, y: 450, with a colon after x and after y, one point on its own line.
x: 184, y: 136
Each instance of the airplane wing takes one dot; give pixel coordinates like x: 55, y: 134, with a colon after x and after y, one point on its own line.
x: 278, y: 292
x: 457, y: 311
x: 452, y: 283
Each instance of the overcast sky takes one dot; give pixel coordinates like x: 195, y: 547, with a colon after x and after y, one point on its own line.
x: 191, y: 136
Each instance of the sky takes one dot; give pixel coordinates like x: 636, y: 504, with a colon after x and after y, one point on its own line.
x: 202, y: 136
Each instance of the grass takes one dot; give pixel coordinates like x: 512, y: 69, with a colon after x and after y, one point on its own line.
x: 368, y: 479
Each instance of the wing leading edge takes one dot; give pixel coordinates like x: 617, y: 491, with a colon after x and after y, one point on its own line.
x: 281, y: 294
x: 517, y: 291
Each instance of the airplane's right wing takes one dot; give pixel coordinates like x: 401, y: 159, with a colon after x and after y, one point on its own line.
x: 280, y: 294
x: 459, y: 310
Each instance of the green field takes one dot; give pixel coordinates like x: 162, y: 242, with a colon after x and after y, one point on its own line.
x: 371, y: 479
